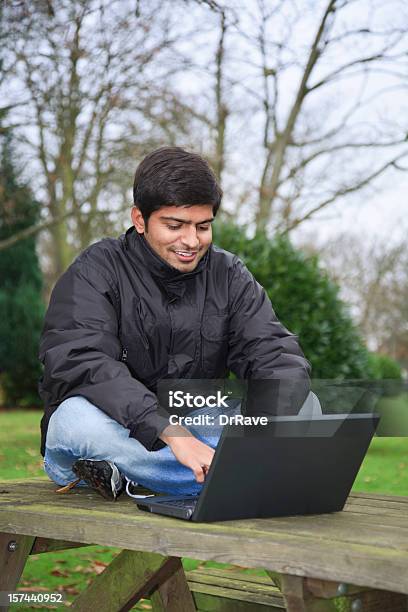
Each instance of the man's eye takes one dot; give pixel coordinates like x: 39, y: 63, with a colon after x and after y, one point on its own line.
x: 174, y: 227
x: 203, y: 228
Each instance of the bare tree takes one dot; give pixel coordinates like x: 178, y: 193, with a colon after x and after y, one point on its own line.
x: 320, y: 145
x: 374, y: 281
x: 295, y: 103
x: 222, y: 109
x: 87, y: 73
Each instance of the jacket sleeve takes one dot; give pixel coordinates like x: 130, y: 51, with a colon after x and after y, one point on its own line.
x: 81, y: 353
x: 262, y: 350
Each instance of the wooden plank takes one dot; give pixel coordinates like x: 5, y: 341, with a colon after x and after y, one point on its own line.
x: 34, y: 489
x: 370, y: 599
x: 370, y: 565
x: 308, y: 595
x: 338, y: 527
x: 86, y: 501
x: 380, y: 497
x: 237, y: 585
x: 294, y: 594
x: 42, y: 483
x: 213, y: 599
x: 44, y: 545
x: 370, y: 517
x: 89, y: 500
x: 376, y: 499
x: 377, y: 511
x: 173, y: 595
x: 282, y: 545
x: 43, y: 492
x: 14, y: 551
x: 226, y: 591
x: 130, y: 577
x: 231, y: 574
x: 298, y: 598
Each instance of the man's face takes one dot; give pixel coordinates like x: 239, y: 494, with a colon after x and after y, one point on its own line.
x: 181, y: 235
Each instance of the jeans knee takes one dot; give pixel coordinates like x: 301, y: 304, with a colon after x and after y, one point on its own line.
x: 72, y: 424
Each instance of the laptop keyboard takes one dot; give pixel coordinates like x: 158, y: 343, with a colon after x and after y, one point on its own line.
x: 181, y: 503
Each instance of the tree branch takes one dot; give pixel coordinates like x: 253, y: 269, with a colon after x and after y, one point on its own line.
x: 345, y: 191
x: 282, y: 143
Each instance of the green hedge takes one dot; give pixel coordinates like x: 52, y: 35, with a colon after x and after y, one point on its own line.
x: 304, y: 299
x: 384, y: 367
x: 21, y: 304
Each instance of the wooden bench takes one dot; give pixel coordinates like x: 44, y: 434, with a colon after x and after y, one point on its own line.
x: 352, y: 560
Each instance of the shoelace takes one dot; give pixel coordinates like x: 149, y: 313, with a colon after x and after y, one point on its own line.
x: 131, y: 482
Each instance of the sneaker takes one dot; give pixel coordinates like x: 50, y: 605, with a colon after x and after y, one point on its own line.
x: 103, y: 476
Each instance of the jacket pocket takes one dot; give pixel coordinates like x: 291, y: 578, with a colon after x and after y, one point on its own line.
x: 137, y: 344
x: 137, y: 357
x: 214, y: 344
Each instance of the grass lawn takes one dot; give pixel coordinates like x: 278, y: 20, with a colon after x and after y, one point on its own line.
x: 385, y: 470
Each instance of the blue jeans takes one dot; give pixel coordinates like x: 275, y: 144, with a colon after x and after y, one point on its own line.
x: 80, y: 430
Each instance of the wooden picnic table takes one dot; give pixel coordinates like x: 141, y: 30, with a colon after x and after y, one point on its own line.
x: 311, y: 558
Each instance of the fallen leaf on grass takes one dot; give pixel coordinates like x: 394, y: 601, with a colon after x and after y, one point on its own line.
x: 87, y: 570
x: 71, y: 589
x: 59, y: 573
x: 98, y: 567
x: 96, y: 562
x: 78, y: 568
x: 33, y: 589
x: 92, y: 570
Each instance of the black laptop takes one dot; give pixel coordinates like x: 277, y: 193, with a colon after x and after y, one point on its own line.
x: 293, y: 465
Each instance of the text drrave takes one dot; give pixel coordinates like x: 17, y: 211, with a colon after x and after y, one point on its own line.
x: 221, y: 419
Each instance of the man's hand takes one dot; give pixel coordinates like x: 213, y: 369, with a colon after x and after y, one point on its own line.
x: 189, y: 451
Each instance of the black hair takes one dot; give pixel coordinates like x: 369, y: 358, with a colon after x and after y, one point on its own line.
x: 171, y: 176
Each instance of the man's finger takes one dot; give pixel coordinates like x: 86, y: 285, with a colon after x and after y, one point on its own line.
x: 199, y: 473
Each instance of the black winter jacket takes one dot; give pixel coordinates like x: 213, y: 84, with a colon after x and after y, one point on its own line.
x: 120, y: 319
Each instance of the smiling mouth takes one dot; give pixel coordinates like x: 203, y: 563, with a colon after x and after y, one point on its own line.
x: 186, y: 255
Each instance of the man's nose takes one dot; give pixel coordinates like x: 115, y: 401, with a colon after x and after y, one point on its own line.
x: 190, y: 237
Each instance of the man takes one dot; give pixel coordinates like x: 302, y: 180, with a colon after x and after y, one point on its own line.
x: 160, y: 302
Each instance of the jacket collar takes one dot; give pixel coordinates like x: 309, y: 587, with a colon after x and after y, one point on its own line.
x: 145, y: 257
